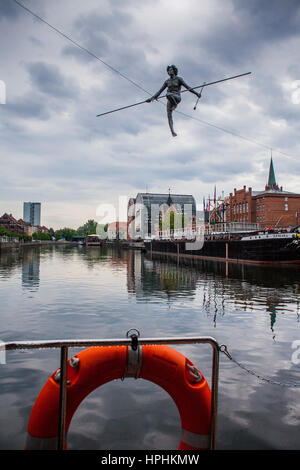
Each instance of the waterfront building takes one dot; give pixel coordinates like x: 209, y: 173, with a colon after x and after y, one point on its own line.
x: 32, y: 213
x: 27, y: 228
x: 42, y: 229
x: 272, y: 207
x: 151, y: 213
x: 117, y: 231
x: 11, y: 224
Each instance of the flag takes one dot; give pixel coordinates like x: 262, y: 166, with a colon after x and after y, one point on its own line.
x: 204, y: 204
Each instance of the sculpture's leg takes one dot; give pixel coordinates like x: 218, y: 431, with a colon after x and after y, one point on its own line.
x: 170, y: 109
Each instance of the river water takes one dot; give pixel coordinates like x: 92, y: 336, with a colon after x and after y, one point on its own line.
x: 72, y: 292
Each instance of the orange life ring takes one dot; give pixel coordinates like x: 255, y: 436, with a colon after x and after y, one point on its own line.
x: 96, y: 366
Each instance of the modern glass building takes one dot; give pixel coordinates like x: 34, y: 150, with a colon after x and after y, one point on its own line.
x: 32, y: 213
x: 147, y: 211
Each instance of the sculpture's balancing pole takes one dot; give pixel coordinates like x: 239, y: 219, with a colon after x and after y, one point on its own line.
x: 163, y: 96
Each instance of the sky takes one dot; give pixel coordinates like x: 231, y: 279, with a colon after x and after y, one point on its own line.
x: 54, y: 149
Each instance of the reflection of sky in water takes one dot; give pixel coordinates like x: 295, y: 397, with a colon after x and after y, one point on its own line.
x: 73, y: 293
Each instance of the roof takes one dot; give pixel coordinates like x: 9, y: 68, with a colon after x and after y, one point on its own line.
x: 9, y: 217
x: 160, y: 198
x: 117, y: 225
x: 273, y: 191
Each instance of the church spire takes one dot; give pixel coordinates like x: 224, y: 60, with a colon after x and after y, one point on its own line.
x: 169, y: 201
x: 272, y: 180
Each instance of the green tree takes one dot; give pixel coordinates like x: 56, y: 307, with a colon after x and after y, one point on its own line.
x: 88, y: 228
x: 8, y: 233
x: 65, y: 233
x: 41, y: 236
x: 51, y: 232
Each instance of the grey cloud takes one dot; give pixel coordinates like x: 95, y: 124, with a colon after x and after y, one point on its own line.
x: 9, y: 9
x: 111, y: 37
x: 133, y: 148
x: 116, y: 22
x: 98, y: 45
x: 239, y: 38
x: 29, y: 106
x: 270, y: 20
x: 48, y: 79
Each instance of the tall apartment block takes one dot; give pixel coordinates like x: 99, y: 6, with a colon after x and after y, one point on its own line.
x: 32, y: 213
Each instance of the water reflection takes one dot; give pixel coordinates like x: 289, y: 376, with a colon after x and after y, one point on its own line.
x: 102, y: 292
x: 148, y: 277
x: 226, y: 287
x: 10, y: 260
x: 31, y: 269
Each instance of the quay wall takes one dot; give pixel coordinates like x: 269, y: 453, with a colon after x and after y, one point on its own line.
x: 16, y: 245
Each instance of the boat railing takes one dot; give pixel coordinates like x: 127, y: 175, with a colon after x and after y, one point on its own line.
x: 64, y: 346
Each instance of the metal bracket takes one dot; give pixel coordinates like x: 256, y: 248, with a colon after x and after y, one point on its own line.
x: 134, y: 355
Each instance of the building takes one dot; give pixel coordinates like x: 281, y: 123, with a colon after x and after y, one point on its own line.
x: 149, y: 214
x: 32, y: 213
x: 27, y: 228
x: 117, y: 231
x: 11, y: 224
x: 131, y: 218
x: 270, y: 208
x: 42, y: 229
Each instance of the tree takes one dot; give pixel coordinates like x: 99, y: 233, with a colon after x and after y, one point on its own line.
x: 41, y: 236
x: 51, y: 232
x: 65, y: 233
x: 88, y: 228
x: 8, y: 233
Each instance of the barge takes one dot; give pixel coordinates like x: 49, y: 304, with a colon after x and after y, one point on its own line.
x: 253, y: 247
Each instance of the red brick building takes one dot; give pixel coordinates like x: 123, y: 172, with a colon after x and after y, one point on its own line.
x: 11, y: 224
x: 270, y: 208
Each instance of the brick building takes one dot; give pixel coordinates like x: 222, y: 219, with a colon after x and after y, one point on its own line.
x: 270, y: 208
x: 11, y: 224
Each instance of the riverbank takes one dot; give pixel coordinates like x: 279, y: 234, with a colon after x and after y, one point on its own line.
x: 125, y: 244
x: 17, y: 245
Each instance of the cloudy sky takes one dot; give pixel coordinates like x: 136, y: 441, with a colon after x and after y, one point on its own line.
x: 56, y: 151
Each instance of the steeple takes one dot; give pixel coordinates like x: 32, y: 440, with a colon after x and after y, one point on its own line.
x: 272, y: 180
x: 169, y: 200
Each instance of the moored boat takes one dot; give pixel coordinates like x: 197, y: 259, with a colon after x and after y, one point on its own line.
x: 253, y: 247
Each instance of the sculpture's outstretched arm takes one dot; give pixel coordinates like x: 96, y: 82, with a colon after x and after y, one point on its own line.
x: 189, y: 88
x: 154, y: 97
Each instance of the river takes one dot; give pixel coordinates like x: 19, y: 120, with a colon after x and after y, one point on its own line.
x: 73, y: 292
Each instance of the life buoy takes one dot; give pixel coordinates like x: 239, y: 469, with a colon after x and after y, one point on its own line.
x: 96, y: 366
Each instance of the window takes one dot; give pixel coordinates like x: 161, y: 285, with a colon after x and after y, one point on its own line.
x: 286, y: 207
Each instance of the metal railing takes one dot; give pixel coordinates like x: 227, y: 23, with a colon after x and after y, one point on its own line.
x: 64, y: 346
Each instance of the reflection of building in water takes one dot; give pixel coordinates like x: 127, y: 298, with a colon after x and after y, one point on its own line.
x: 111, y: 255
x: 155, y: 277
x: 134, y: 270
x: 9, y: 261
x: 31, y: 268
x: 240, y: 288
